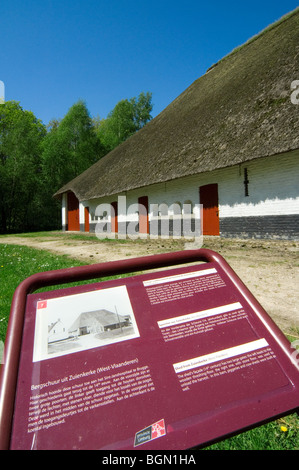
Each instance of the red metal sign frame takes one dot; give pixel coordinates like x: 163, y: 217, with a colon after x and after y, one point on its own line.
x: 10, y: 368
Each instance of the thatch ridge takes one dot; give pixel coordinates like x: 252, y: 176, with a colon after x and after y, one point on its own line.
x: 256, y: 36
x: 238, y: 111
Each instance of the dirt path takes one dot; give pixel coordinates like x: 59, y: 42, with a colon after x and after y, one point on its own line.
x: 270, y: 269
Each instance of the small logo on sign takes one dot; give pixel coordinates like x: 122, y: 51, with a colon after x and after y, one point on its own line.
x: 150, y: 433
x: 42, y: 304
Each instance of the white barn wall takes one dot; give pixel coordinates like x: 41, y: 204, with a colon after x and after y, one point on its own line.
x: 64, y: 210
x: 273, y: 188
x: 272, y: 192
x: 81, y: 214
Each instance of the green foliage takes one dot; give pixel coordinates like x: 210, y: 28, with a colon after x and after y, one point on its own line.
x: 127, y: 117
x: 70, y: 147
x: 36, y: 161
x: 21, y: 136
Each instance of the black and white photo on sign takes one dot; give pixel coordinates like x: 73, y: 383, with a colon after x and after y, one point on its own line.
x: 83, y: 321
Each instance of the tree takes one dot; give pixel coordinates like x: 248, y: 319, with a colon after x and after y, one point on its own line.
x: 142, y: 109
x: 127, y: 117
x: 36, y: 161
x: 21, y: 135
x: 70, y: 147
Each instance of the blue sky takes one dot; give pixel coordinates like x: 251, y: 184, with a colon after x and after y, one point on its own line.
x: 53, y: 53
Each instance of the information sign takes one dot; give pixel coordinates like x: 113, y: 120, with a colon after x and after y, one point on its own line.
x: 165, y: 360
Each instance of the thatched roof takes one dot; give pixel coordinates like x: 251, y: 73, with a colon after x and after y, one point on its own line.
x: 238, y: 111
x: 103, y: 317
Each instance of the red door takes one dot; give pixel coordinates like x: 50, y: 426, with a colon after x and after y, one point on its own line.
x: 143, y: 214
x: 208, y: 197
x: 86, y: 219
x: 73, y: 212
x: 114, y: 219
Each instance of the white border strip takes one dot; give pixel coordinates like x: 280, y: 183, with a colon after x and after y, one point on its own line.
x: 198, y: 315
x: 219, y: 355
x: 178, y: 277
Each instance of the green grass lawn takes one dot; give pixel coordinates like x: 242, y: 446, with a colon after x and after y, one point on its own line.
x: 20, y: 262
x: 16, y: 264
x: 281, y: 434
